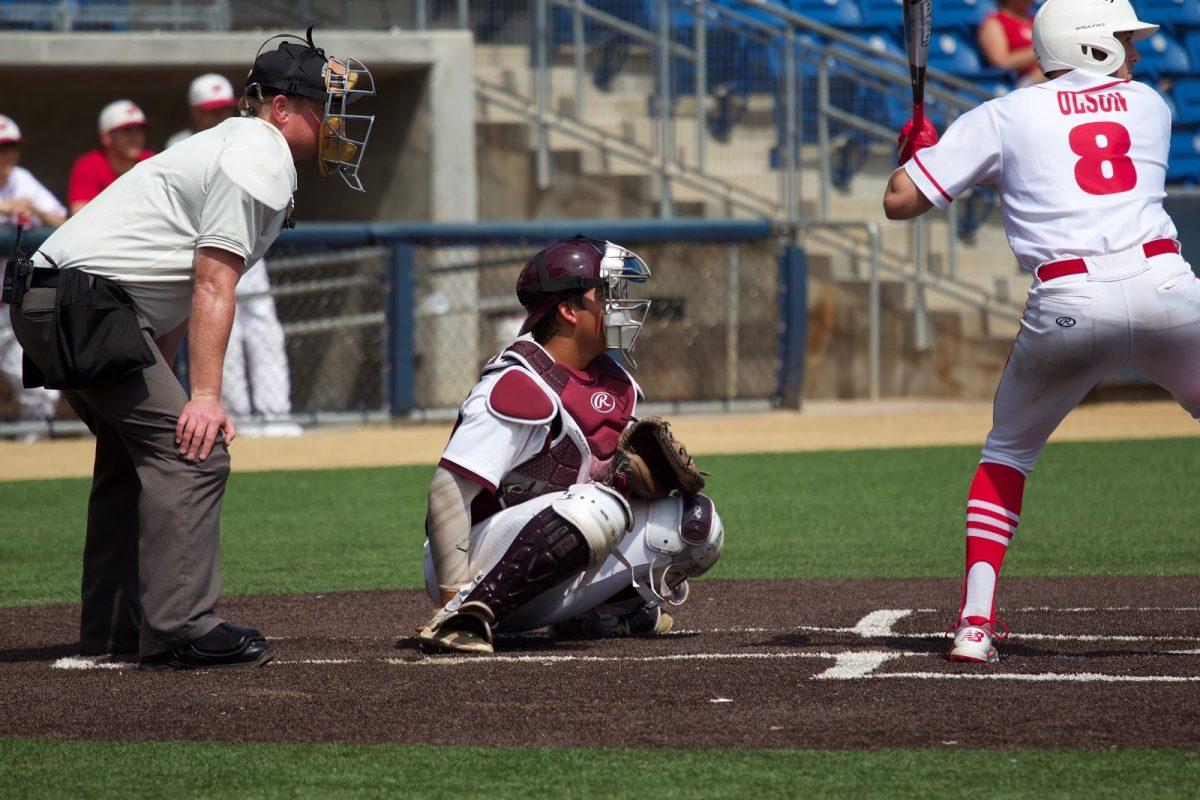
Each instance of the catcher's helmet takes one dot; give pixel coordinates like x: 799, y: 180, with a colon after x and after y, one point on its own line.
x: 583, y: 263
x: 1081, y: 34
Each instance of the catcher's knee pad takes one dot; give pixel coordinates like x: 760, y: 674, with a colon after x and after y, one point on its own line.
x: 599, y: 513
x: 552, y: 547
x: 688, y: 531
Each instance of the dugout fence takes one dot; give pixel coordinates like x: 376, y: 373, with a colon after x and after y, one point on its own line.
x: 394, y: 320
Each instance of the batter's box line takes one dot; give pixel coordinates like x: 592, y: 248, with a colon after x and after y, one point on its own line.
x: 881, y: 625
x: 854, y: 665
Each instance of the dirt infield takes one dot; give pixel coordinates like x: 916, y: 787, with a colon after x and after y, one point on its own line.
x: 1093, y: 662
x: 821, y: 426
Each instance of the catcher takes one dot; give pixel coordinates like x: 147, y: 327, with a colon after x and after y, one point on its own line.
x: 552, y: 505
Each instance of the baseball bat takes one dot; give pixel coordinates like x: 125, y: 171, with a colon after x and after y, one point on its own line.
x: 918, y: 25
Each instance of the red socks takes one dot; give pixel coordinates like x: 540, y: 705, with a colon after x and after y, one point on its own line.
x: 993, y: 512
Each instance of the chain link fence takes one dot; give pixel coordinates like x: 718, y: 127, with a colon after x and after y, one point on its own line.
x: 363, y: 323
x: 711, y: 334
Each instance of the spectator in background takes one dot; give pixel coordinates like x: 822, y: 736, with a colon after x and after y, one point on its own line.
x: 123, y: 144
x: 256, y: 376
x: 23, y: 201
x: 1006, y: 39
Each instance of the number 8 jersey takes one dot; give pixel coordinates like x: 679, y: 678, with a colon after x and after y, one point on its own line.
x: 1080, y: 163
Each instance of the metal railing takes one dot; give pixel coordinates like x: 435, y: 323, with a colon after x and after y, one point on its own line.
x: 832, y: 96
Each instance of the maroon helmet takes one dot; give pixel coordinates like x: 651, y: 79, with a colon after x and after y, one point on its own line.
x: 562, y: 267
x: 582, y: 263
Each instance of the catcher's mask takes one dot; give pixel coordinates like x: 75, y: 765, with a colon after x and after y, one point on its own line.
x: 303, y: 70
x: 582, y: 263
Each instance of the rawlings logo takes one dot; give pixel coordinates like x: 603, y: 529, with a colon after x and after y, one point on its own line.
x: 1065, y: 322
x: 603, y: 402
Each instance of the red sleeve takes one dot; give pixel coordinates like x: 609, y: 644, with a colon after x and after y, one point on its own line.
x: 86, y: 179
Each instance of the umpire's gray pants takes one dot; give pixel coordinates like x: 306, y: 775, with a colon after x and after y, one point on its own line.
x: 152, y: 558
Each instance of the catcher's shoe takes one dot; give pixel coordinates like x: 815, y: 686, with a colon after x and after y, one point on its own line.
x: 616, y: 618
x: 467, y: 630
x: 974, y: 643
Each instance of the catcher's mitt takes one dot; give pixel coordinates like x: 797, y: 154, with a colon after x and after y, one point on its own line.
x: 650, y: 463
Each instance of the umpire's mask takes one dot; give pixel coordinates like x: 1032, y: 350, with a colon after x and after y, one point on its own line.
x: 303, y: 70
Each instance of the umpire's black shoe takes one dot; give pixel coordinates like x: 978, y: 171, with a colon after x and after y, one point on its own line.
x: 226, y: 645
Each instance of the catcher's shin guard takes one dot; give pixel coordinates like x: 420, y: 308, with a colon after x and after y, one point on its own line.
x: 556, y: 544
x: 687, y: 538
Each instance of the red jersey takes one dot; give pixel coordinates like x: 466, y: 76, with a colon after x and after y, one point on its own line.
x: 1018, y: 31
x: 92, y: 174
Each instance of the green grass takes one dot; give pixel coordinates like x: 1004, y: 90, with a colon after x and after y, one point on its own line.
x: 78, y: 770
x: 1091, y: 508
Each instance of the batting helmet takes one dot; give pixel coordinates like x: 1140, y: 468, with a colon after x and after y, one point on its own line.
x: 1081, y: 34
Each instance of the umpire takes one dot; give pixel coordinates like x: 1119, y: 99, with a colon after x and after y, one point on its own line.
x: 100, y: 310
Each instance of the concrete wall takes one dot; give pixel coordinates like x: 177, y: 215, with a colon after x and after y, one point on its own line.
x: 420, y: 163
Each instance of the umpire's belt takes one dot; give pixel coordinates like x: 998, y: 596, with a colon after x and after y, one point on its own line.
x: 1077, y: 266
x: 43, y: 278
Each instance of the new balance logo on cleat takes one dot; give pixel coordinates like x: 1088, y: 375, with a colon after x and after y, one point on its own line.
x: 973, y: 644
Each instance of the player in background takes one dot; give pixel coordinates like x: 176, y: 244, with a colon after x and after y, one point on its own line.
x: 534, y: 517
x: 23, y: 201
x: 122, y: 127
x: 256, y: 378
x: 1080, y: 162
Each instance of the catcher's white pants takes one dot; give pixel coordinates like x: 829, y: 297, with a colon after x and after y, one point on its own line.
x: 36, y: 404
x: 256, y: 378
x: 579, y: 595
x: 1128, y: 310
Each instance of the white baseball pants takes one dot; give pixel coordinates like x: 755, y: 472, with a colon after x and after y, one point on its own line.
x: 36, y: 404
x: 1127, y: 311
x: 256, y: 378
x: 492, y: 537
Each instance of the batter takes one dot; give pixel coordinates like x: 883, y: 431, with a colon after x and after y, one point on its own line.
x: 1080, y: 162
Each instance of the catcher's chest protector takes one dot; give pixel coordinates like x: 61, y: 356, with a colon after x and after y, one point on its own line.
x: 599, y: 403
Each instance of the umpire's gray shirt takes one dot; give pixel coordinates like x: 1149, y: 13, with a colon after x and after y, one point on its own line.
x: 228, y: 187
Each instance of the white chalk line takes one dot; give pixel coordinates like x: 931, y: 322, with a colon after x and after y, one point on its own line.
x: 854, y: 665
x: 1069, y: 677
x: 1048, y: 637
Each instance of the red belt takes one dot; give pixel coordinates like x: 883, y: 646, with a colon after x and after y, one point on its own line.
x: 1076, y: 266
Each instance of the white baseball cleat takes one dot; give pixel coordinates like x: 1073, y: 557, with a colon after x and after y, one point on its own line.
x: 974, y: 643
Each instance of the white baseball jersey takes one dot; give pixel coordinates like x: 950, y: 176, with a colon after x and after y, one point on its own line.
x: 1080, y: 163
x: 484, y: 447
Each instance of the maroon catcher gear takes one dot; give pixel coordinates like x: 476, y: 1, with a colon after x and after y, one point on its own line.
x: 547, y: 551
x: 562, y: 267
x: 599, y: 403
x: 582, y: 263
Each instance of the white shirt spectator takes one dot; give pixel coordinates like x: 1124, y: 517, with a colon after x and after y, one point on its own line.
x: 21, y: 183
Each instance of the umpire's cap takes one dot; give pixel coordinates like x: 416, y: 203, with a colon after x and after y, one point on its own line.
x: 294, y: 68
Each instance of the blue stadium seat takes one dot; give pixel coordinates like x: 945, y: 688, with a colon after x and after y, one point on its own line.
x: 1191, y: 43
x: 1170, y: 13
x: 755, y: 12
x: 882, y: 14
x: 1187, y: 101
x: 1185, y: 170
x: 836, y: 13
x: 963, y: 15
x: 1163, y: 55
x: 1185, y: 144
x: 952, y: 53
